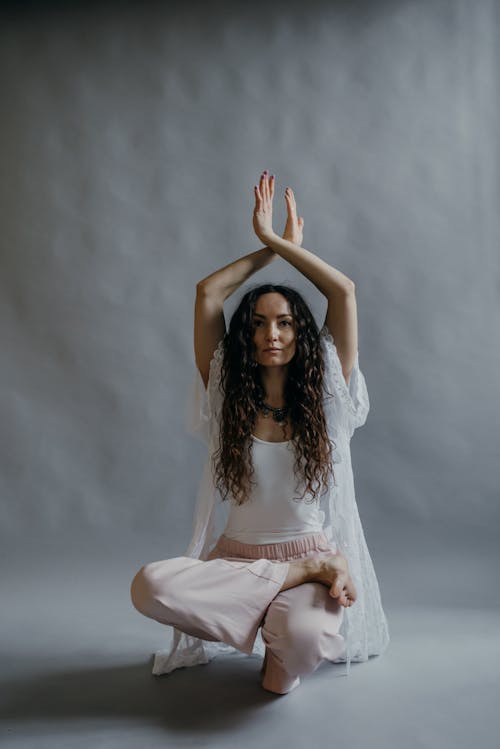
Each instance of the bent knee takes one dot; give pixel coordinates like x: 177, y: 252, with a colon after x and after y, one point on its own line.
x: 300, y: 643
x: 298, y: 635
x: 153, y: 581
x: 141, y: 589
x: 159, y: 583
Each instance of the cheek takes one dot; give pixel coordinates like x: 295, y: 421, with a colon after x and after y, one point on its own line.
x: 291, y: 348
x: 257, y: 338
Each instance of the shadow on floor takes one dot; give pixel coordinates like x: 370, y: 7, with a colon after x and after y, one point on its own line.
x: 221, y: 694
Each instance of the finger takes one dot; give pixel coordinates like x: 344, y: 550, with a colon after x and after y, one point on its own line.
x: 266, y: 186
x: 271, y: 185
x: 262, y: 187
x: 258, y: 196
x: 290, y: 202
x: 262, y: 184
x: 292, y: 196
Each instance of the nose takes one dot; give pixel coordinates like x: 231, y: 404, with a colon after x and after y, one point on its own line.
x: 272, y: 334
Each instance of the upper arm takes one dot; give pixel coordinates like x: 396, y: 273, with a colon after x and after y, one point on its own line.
x: 209, y: 328
x: 342, y: 322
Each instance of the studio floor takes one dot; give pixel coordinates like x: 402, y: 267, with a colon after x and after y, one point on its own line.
x: 77, y: 658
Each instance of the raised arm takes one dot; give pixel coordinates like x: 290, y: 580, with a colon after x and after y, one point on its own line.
x: 211, y: 293
x: 341, y: 317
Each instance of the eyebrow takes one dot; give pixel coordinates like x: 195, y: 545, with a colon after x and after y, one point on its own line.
x: 285, y: 314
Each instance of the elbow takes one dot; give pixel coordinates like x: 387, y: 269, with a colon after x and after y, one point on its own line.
x: 201, y: 288
x: 346, y: 289
x: 206, y: 290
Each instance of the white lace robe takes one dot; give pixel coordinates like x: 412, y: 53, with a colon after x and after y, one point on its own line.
x: 364, y: 625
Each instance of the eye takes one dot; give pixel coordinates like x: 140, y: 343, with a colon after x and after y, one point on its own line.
x: 286, y: 322
x: 257, y: 323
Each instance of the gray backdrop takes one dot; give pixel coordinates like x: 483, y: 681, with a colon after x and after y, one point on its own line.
x: 131, y: 137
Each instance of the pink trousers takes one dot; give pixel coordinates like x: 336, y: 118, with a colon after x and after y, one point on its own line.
x: 237, y: 590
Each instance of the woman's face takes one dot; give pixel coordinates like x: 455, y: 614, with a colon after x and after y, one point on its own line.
x: 274, y: 330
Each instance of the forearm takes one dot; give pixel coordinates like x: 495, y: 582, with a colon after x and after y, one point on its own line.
x: 222, y: 283
x: 327, y: 279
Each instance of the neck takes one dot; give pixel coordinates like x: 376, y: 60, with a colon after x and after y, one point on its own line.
x: 273, y: 382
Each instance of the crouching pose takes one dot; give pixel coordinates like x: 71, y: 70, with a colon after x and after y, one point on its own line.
x: 278, y: 401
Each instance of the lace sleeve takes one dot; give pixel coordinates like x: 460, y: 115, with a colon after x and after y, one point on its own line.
x: 350, y: 402
x: 204, y: 404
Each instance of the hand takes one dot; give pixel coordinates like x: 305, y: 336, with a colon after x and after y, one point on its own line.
x: 294, y: 226
x: 263, y: 211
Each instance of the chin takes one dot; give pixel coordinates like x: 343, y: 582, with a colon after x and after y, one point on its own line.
x: 274, y: 362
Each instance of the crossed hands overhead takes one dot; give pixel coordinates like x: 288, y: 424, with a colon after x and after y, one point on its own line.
x: 263, y: 212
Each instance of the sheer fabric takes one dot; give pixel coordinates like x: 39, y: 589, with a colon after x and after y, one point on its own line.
x: 346, y: 407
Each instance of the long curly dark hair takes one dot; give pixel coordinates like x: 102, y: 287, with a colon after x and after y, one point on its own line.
x: 242, y: 389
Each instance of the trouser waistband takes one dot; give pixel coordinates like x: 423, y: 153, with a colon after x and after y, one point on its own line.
x: 280, y: 550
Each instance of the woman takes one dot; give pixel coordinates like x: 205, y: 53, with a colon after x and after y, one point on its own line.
x: 277, y: 402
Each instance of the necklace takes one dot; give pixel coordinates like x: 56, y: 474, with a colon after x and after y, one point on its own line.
x: 278, y: 414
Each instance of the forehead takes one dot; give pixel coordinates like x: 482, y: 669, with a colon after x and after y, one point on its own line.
x: 272, y: 303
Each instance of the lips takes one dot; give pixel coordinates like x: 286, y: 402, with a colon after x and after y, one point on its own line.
x: 272, y: 349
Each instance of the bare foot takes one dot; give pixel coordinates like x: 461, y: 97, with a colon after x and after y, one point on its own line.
x: 334, y: 571
x: 331, y: 570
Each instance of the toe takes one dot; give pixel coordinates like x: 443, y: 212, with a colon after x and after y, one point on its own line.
x: 335, y: 590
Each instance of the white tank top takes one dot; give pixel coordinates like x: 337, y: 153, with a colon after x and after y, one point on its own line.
x: 270, y: 514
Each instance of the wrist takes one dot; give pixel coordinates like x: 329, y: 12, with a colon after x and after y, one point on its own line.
x: 268, y: 238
